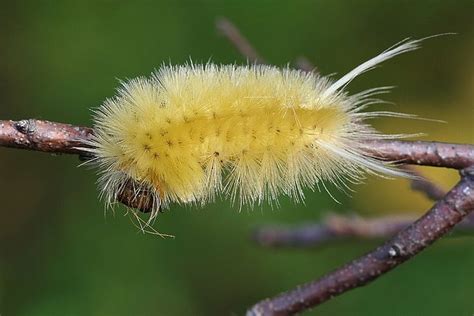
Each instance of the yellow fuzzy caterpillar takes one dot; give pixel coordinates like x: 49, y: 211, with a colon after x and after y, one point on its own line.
x: 252, y: 133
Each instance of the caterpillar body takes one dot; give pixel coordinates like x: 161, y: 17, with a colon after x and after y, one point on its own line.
x: 189, y: 133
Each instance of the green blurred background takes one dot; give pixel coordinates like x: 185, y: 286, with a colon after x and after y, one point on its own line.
x: 59, y: 253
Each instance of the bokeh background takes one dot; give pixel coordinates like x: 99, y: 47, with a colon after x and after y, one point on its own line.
x: 61, y: 255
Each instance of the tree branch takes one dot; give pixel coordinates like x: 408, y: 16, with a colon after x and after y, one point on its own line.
x: 436, y: 154
x: 332, y: 228
x: 63, y: 138
x: 442, y: 217
x: 338, y: 228
x: 44, y: 136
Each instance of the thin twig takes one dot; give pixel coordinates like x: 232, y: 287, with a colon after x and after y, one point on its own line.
x: 332, y: 228
x: 304, y: 64
x: 425, y: 186
x: 438, y: 221
x: 232, y: 33
x: 338, y: 228
x: 240, y: 42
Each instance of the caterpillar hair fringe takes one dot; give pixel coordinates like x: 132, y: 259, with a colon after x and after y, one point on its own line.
x: 190, y: 133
